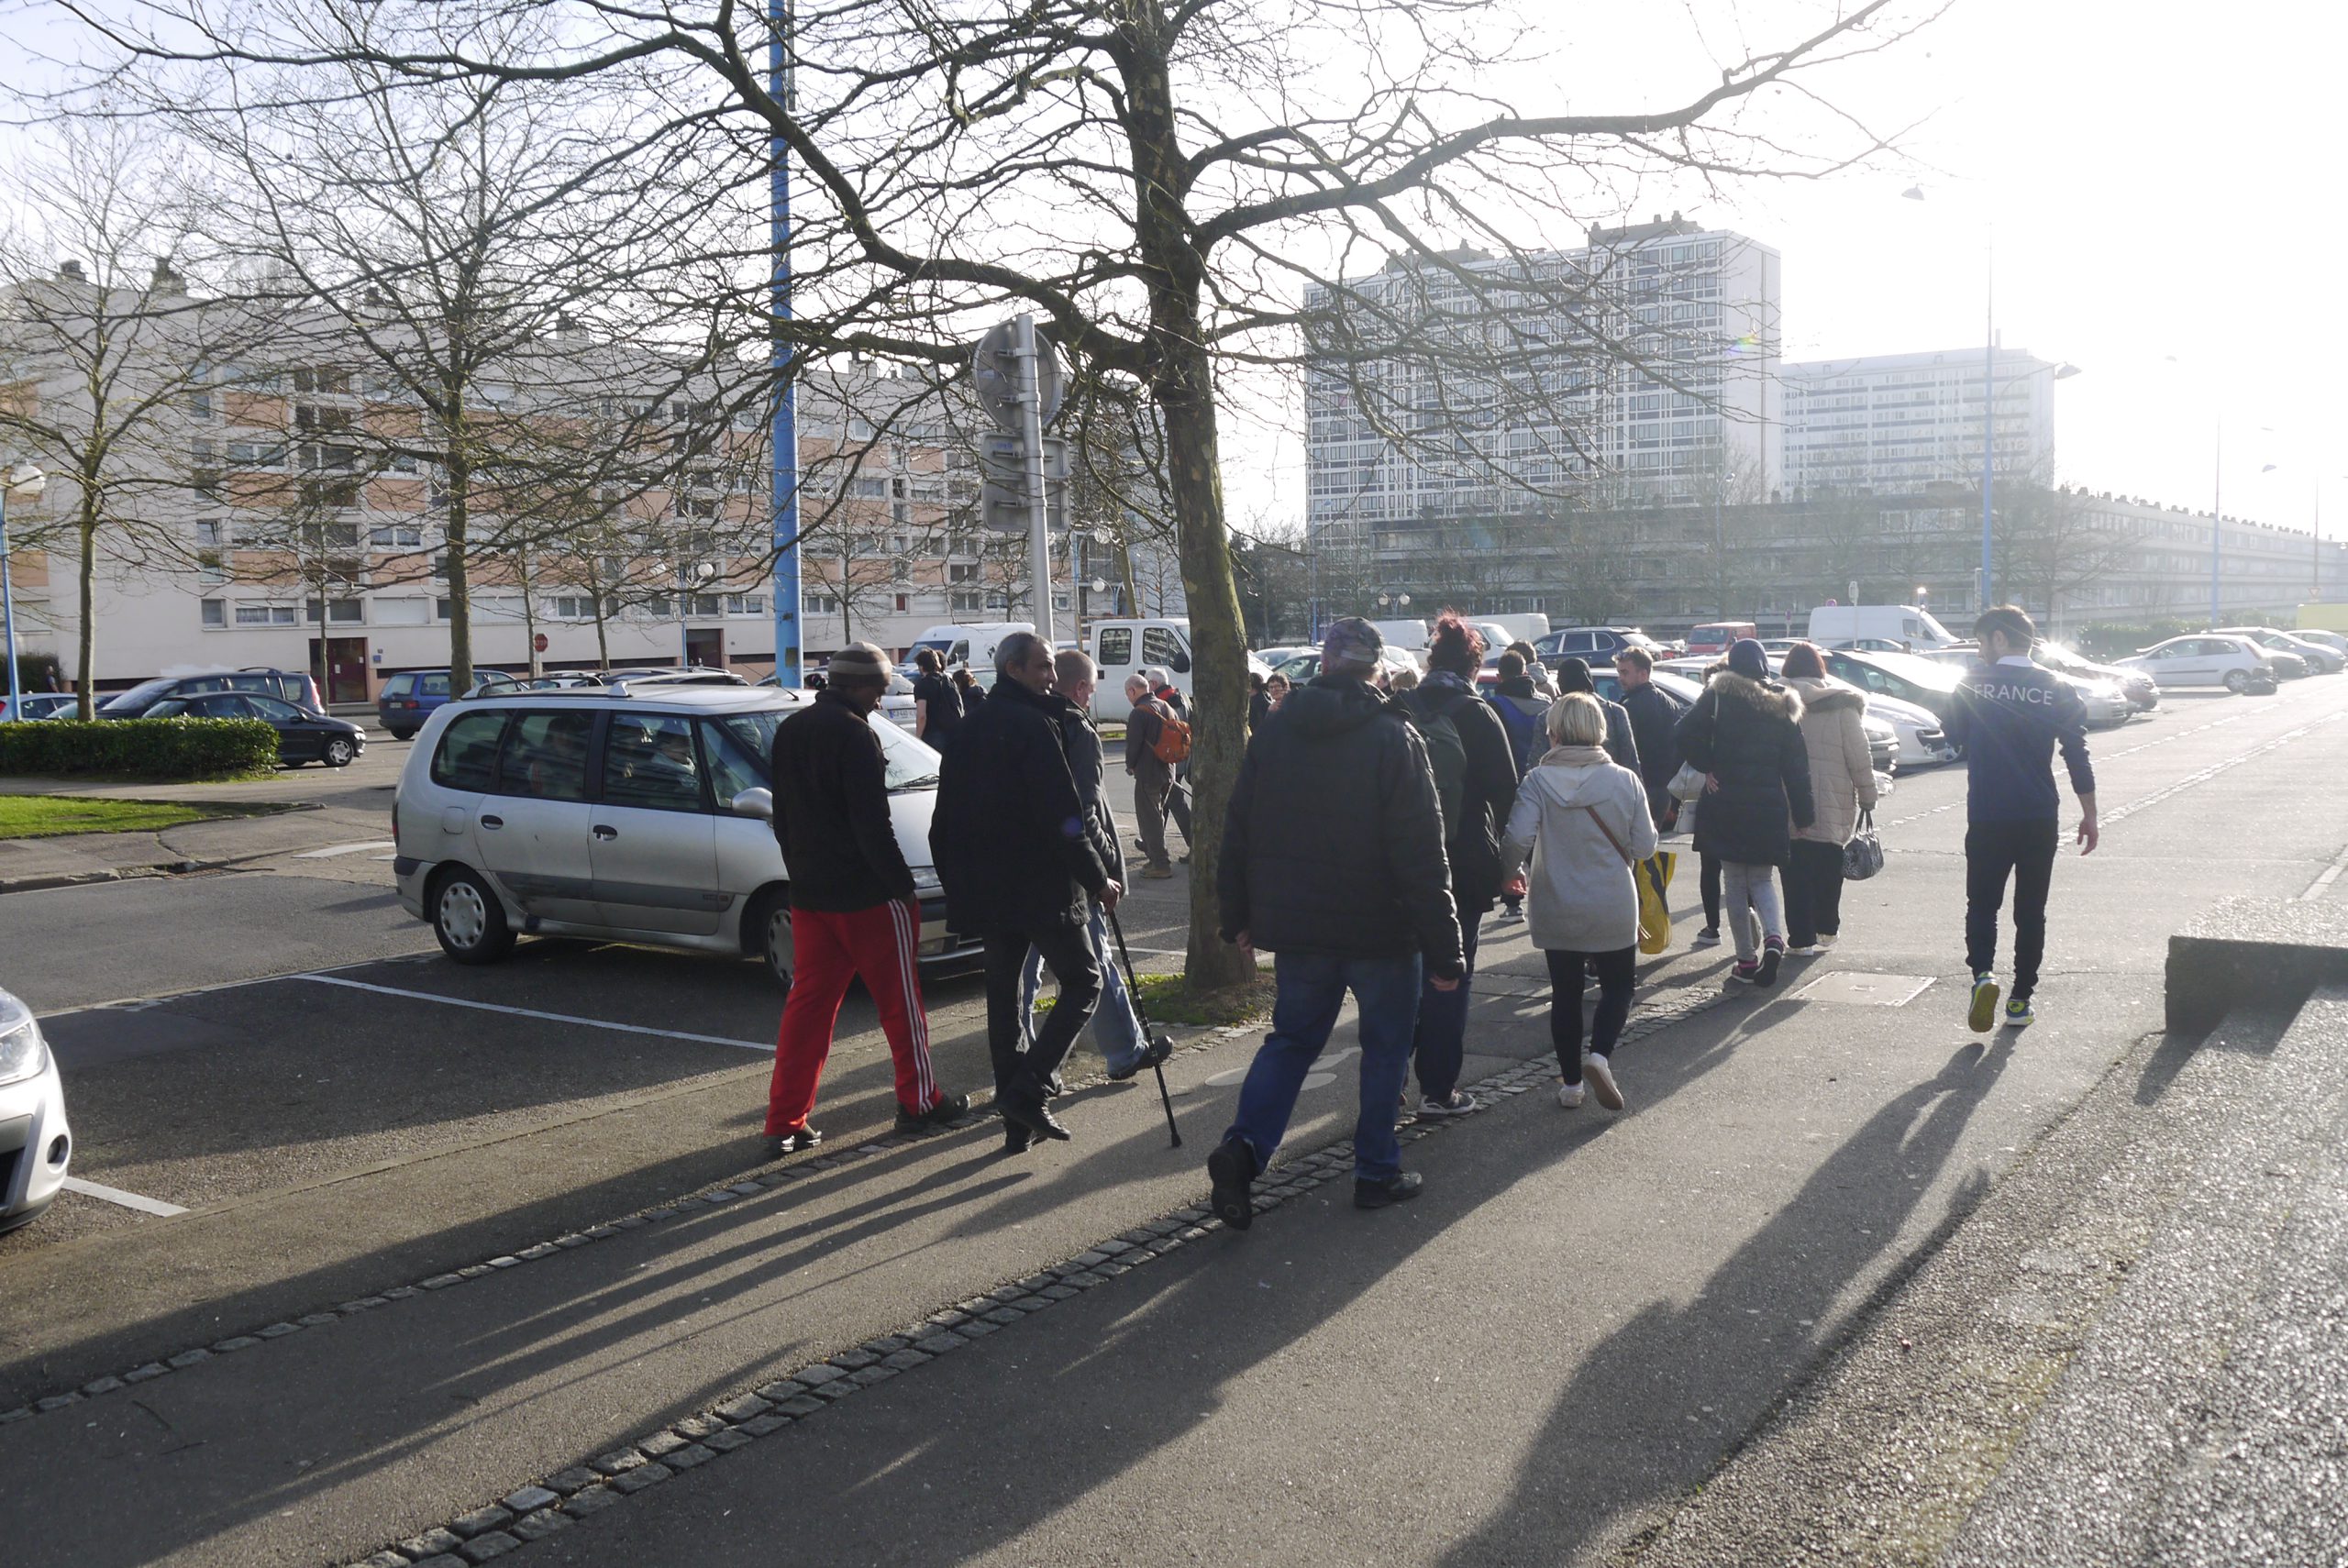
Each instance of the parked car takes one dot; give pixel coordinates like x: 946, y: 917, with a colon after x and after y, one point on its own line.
x: 1916, y: 730
x: 556, y: 680
x: 300, y: 736
x: 2318, y: 659
x: 137, y: 702
x: 1299, y: 668
x: 412, y: 696
x: 1870, y: 645
x: 2143, y: 693
x: 674, y: 675
x: 1711, y: 639
x: 1599, y: 645
x: 1681, y: 691
x: 1922, y: 681
x: 40, y: 705
x: 2323, y: 639
x: 629, y: 814
x: 2206, y: 658
x: 36, y: 1144
x: 896, y: 704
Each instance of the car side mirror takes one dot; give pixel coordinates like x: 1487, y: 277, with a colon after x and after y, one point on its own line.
x: 1179, y: 662
x: 758, y: 803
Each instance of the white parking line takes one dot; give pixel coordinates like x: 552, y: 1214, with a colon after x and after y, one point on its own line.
x: 127, y: 1199
x: 763, y: 1046
x: 334, y: 849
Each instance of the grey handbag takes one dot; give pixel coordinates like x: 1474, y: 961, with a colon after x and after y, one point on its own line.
x: 1863, y: 857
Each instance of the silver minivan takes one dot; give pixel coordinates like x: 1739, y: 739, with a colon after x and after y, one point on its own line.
x: 631, y: 814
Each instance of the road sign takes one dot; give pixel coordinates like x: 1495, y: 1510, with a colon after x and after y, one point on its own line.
x: 1002, y: 456
x: 1004, y: 509
x: 994, y: 374
x: 539, y: 642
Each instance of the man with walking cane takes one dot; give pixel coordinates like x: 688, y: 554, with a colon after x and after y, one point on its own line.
x: 1116, y: 1027
x: 1333, y: 858
x: 1015, y: 851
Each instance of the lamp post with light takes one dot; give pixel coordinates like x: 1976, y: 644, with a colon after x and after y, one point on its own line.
x: 30, y: 481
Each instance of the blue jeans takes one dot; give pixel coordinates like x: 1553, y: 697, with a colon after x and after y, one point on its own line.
x: 1440, y: 1043
x: 1312, y: 987
x: 1116, y: 1027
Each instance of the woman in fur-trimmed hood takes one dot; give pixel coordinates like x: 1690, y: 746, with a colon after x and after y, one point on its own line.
x: 1744, y: 733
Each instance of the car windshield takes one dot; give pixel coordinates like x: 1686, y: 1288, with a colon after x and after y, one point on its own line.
x: 909, y: 764
x: 138, y: 696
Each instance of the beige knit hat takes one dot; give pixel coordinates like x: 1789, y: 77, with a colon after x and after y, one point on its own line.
x: 857, y: 658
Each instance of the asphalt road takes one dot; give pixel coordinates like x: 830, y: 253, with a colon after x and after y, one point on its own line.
x: 1582, y: 1316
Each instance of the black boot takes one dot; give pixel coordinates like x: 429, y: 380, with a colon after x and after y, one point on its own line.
x: 1026, y: 1110
x: 948, y: 1110
x: 1400, y: 1187
x: 1232, y: 1169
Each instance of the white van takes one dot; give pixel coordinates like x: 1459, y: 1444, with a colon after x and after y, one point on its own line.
x: 1528, y: 628
x: 1907, y: 624
x: 1127, y: 647
x: 972, y: 645
x: 1411, y: 637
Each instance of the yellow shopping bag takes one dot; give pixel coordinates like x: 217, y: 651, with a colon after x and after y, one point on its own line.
x: 1654, y: 877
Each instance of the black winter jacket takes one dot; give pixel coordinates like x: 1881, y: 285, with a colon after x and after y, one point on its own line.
x: 1654, y: 719
x: 1015, y: 843
x: 831, y: 809
x: 1747, y: 735
x: 1475, y: 849
x: 1334, y: 841
x: 1086, y: 765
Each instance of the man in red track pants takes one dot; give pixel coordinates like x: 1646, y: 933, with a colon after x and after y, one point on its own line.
x: 853, y: 914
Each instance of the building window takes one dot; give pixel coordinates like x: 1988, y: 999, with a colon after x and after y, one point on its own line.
x: 962, y: 571
x: 215, y: 612
x: 904, y: 602
x: 265, y: 615
x: 968, y: 603
x: 746, y: 604
x: 823, y: 604
x: 399, y: 535
x: 348, y: 612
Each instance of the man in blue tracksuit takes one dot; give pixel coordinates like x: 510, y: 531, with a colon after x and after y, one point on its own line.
x: 2009, y: 717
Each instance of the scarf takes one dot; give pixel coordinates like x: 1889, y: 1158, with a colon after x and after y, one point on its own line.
x: 1575, y: 755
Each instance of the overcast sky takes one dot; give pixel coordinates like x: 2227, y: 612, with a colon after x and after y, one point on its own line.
x: 2160, y: 181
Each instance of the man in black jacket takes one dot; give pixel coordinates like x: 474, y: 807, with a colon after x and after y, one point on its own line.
x: 853, y: 914
x: 1654, y: 720
x: 1015, y: 850
x: 1156, y: 793
x: 1474, y: 808
x: 1621, y: 740
x: 1116, y: 1026
x: 1332, y: 857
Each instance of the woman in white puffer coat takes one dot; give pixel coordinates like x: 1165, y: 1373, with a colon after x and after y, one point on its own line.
x: 1582, y: 822
x: 1842, y: 785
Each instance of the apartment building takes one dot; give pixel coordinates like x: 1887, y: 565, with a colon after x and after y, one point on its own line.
x: 1642, y: 367
x: 1894, y: 424
x: 292, y: 506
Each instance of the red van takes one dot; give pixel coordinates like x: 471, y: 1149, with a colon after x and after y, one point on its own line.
x: 1714, y: 640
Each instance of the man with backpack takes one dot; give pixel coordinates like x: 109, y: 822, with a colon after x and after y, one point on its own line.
x: 1156, y: 742
x: 1475, y: 779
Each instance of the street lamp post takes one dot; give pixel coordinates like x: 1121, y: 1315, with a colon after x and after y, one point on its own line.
x: 783, y: 432
x: 32, y: 481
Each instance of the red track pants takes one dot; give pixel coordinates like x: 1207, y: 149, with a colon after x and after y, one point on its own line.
x: 829, y: 948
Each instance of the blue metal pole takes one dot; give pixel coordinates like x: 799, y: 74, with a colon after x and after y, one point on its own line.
x: 783, y: 432
x: 9, y: 604
x: 2217, y: 522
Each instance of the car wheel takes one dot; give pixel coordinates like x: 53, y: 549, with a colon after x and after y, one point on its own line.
x: 402, y: 734
x: 766, y: 932
x: 339, y: 753
x: 469, y: 920
x: 2237, y: 681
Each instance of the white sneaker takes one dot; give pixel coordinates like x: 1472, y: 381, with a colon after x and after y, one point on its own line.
x: 1826, y: 943
x: 1460, y: 1103
x: 1569, y: 1095
x: 1599, y: 1075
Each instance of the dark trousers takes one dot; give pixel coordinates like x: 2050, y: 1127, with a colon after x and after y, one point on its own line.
x: 1156, y: 796
x: 1709, y: 885
x: 1617, y: 971
x: 1813, y: 892
x: 1441, y: 1041
x: 1993, y: 851
x: 1067, y: 948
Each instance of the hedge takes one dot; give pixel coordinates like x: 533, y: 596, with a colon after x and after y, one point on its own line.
x: 144, y: 749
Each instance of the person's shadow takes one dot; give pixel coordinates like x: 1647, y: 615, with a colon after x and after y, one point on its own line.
x: 1709, y: 1366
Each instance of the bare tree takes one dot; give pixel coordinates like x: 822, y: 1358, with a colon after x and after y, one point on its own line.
x: 103, y: 349
x: 1160, y: 179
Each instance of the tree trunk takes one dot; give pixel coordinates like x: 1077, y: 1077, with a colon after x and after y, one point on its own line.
x: 86, y: 638
x: 1218, y: 645
x: 460, y: 602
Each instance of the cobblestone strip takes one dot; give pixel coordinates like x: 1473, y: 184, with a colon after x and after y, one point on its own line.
x: 717, y: 1195
x: 562, y: 1499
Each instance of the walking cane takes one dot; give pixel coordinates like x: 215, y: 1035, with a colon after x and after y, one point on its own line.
x: 1132, y: 989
